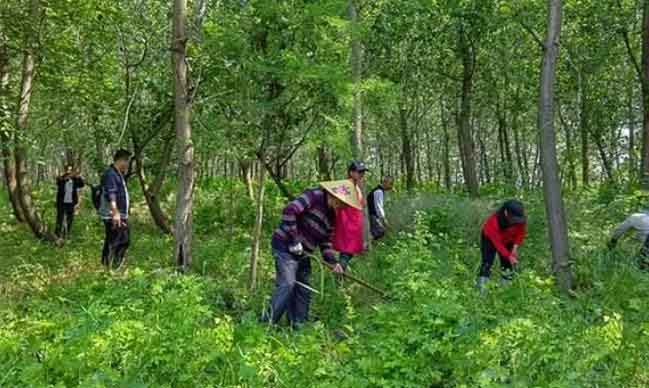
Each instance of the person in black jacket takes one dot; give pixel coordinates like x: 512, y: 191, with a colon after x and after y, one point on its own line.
x: 376, y: 207
x: 67, y: 199
x: 114, y: 210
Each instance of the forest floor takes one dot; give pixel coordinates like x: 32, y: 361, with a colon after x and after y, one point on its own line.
x: 66, y: 322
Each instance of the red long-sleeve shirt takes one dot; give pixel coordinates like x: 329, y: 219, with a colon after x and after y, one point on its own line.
x: 514, y: 234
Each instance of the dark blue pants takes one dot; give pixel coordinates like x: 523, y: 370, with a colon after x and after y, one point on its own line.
x: 289, y: 297
x: 489, y: 252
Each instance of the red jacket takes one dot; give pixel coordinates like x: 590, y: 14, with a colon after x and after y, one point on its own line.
x: 514, y: 234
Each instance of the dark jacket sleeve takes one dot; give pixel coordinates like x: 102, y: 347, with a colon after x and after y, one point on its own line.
x: 110, y: 187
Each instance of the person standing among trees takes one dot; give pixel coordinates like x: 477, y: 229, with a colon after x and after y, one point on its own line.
x: 376, y: 208
x: 307, y: 224
x: 348, y: 232
x: 639, y: 222
x: 67, y: 199
x: 503, y: 233
x: 114, y: 210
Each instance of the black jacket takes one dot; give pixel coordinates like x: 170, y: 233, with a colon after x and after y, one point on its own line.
x: 60, y: 192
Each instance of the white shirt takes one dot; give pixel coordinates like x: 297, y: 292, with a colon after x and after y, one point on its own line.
x: 637, y: 221
x: 68, y: 189
x: 378, y: 203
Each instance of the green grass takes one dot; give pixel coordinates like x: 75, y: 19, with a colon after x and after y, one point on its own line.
x: 66, y: 322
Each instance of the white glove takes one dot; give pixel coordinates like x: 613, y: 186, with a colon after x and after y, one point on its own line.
x: 296, y: 249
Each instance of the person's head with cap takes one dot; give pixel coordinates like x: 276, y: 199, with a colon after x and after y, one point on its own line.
x: 121, y: 160
x: 341, y: 193
x: 356, y: 171
x: 514, y: 212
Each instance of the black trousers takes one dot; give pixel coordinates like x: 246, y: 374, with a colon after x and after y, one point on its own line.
x: 64, y: 215
x: 116, y: 243
x: 489, y: 252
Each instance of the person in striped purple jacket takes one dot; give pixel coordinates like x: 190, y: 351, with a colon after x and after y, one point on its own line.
x: 307, y: 224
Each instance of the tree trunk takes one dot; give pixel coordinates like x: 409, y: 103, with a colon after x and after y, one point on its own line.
x: 356, y: 63
x: 245, y: 167
x: 645, y: 95
x: 446, y: 146
x: 632, y: 159
x: 584, y: 123
x: 406, y: 149
x: 484, y: 158
x: 185, y: 147
x: 20, y: 151
x: 6, y: 133
x: 465, y: 138
x: 152, y: 192
x: 558, y: 231
x: 257, y: 232
x: 324, y: 170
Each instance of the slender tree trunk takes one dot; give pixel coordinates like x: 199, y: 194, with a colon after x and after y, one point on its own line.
x: 446, y: 146
x: 584, y: 124
x: 356, y: 63
x: 406, y: 144
x: 20, y: 151
x: 185, y: 147
x: 465, y: 138
x: 632, y: 159
x: 152, y: 192
x: 484, y: 157
x: 245, y: 167
x: 570, y: 152
x: 645, y: 95
x: 257, y: 232
x: 6, y: 133
x: 558, y: 231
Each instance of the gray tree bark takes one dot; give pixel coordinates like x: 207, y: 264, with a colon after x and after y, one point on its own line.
x: 258, y: 229
x: 20, y: 150
x: 645, y: 95
x: 356, y: 64
x: 6, y: 133
x: 465, y: 138
x: 185, y: 147
x: 558, y: 231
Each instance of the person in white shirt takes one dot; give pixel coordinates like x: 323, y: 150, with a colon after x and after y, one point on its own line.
x: 639, y: 222
x: 376, y: 207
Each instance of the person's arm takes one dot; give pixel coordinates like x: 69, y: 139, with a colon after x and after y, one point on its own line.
x: 110, y: 190
x: 294, y: 209
x: 329, y: 255
x: 623, y: 228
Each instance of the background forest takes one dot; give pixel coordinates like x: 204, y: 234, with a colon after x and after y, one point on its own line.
x: 232, y: 107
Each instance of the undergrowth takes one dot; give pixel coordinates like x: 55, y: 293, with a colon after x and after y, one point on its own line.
x: 65, y: 322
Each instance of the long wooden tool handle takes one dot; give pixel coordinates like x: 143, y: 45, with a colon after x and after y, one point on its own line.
x: 359, y: 281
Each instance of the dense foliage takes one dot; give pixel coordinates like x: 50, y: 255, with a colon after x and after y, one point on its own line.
x: 66, y: 322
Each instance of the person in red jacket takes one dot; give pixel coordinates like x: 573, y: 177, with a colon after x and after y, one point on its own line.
x: 502, y: 233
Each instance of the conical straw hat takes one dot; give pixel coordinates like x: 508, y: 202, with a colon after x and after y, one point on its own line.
x: 343, y: 190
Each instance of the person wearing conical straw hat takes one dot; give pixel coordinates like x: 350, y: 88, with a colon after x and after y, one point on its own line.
x: 307, y: 224
x: 348, y: 232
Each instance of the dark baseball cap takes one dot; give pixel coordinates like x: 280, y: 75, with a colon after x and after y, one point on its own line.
x: 516, y: 211
x: 358, y: 166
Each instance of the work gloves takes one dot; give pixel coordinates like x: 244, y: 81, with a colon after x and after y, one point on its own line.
x: 296, y: 249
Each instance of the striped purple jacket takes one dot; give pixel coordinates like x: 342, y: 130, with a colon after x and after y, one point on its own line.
x: 307, y: 220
